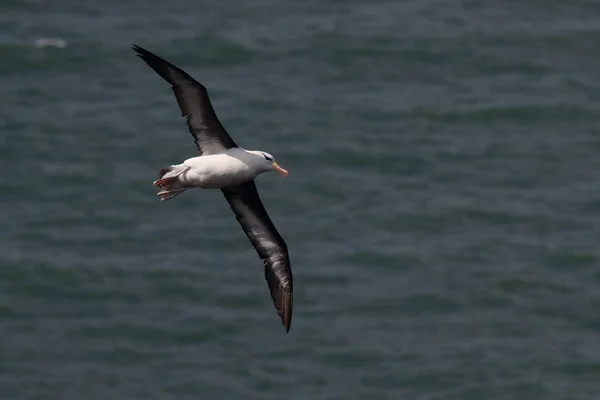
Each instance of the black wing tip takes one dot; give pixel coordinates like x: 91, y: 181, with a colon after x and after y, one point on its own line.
x: 287, y: 322
x: 284, y: 309
x: 282, y: 296
x: 158, y: 64
x: 150, y: 58
x: 141, y: 52
x: 138, y: 49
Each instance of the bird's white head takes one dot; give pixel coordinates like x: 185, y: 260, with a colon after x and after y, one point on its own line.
x: 268, y: 162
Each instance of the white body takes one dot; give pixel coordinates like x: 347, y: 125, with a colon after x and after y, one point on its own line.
x: 216, y: 171
x: 231, y: 167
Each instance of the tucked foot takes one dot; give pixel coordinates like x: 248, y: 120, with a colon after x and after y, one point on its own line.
x: 169, y: 194
x: 162, y: 182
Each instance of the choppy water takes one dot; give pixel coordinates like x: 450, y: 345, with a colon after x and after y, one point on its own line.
x: 442, y: 210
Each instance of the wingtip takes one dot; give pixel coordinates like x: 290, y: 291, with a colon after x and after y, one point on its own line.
x: 286, y: 312
x: 141, y: 52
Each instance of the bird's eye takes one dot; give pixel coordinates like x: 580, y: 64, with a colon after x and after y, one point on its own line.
x: 268, y: 158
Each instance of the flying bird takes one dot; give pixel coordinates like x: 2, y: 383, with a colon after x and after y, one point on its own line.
x: 223, y: 165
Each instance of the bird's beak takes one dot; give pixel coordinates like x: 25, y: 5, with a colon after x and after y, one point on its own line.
x: 282, y: 171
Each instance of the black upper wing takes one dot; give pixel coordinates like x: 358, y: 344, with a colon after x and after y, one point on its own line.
x: 209, y: 135
x: 263, y: 235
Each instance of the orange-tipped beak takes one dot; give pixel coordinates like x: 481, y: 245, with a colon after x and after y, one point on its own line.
x: 282, y: 171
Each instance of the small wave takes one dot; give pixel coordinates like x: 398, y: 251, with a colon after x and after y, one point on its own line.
x: 51, y: 42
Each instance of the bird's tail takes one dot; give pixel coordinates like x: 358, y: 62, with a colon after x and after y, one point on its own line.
x: 169, y: 184
x: 166, y: 175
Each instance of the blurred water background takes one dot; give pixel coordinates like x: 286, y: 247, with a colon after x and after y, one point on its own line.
x: 442, y: 210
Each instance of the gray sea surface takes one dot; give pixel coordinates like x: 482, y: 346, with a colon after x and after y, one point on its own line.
x: 442, y: 211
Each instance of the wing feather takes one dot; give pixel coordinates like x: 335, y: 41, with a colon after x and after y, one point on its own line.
x: 270, y: 246
x: 192, y: 97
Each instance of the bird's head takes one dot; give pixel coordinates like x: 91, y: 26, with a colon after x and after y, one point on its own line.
x: 269, y: 163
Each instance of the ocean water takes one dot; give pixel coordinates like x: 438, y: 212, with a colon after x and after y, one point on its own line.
x: 442, y: 211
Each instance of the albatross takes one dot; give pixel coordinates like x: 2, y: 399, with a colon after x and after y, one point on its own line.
x: 224, y: 165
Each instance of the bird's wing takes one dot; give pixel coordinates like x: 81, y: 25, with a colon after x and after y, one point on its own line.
x: 252, y: 216
x: 209, y: 135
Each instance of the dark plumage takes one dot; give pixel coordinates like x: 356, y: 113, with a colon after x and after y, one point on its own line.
x: 192, y: 97
x: 252, y: 216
